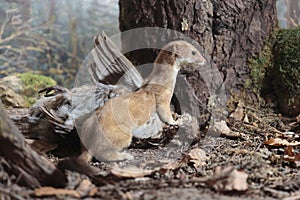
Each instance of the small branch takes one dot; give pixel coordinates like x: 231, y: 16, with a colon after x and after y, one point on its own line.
x: 10, y: 193
x: 2, y: 29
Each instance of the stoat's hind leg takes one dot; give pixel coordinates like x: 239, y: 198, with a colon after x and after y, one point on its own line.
x: 85, y: 155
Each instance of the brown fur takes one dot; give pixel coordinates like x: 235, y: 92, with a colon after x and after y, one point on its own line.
x: 109, y: 130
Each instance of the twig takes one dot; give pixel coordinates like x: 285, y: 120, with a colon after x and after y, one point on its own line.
x: 11, y: 194
x: 269, y: 126
x: 2, y: 29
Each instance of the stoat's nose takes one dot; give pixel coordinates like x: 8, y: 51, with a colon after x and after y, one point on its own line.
x: 202, y: 62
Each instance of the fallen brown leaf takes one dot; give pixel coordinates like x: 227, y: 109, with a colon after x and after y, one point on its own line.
x: 238, y: 114
x: 221, y: 128
x: 289, y: 151
x: 232, y: 180
x: 50, y: 191
x: 172, y: 165
x: 246, y: 119
x: 291, y: 156
x: 296, y: 158
x: 198, y: 157
x: 93, y: 192
x: 84, y: 187
x: 280, y: 142
x: 42, y: 146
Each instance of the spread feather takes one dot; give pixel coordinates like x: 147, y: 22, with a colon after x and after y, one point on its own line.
x: 111, y: 74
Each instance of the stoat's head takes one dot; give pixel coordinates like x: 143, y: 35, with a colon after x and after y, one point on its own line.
x: 180, y: 54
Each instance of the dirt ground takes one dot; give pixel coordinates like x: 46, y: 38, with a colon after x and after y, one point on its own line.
x: 259, y: 161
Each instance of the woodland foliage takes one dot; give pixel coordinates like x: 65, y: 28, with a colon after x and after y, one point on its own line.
x: 51, y: 37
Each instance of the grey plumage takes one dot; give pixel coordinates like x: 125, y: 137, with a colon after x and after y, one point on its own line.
x: 110, y: 74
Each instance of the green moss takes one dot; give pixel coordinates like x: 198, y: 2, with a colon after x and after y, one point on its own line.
x: 287, y: 60
x: 276, y: 70
x: 259, y: 67
x: 32, y: 84
x: 286, y: 69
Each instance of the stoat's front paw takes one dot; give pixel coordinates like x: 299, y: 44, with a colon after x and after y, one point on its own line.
x: 172, y: 123
x: 125, y: 156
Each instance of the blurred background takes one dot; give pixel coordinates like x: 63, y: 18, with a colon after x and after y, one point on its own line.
x: 53, y: 37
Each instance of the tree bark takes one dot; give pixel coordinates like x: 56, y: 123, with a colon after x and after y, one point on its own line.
x: 230, y: 32
x: 22, y: 161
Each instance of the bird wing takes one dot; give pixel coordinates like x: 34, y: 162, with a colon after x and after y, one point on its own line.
x: 111, y: 74
x: 110, y: 66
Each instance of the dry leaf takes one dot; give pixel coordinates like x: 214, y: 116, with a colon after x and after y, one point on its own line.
x: 289, y: 151
x: 50, y: 191
x: 237, y: 181
x: 295, y: 158
x: 198, y: 157
x: 221, y: 128
x: 238, y: 114
x: 291, y: 156
x: 296, y: 161
x: 246, y: 119
x: 93, y: 192
x: 130, y: 172
x: 172, y: 165
x: 84, y: 187
x: 42, y: 146
x: 255, y: 124
x: 85, y: 184
x: 232, y: 180
x: 280, y: 142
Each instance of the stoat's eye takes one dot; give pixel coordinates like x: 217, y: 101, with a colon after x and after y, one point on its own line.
x: 194, y: 53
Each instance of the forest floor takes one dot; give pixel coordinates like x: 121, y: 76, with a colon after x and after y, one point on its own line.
x: 261, y: 160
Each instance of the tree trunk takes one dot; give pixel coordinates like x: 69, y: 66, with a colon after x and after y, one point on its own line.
x: 229, y: 31
x: 22, y: 161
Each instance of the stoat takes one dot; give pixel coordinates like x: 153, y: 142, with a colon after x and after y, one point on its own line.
x: 109, y: 130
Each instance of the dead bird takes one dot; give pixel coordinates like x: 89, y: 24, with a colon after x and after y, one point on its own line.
x: 109, y: 130
x: 57, y: 111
